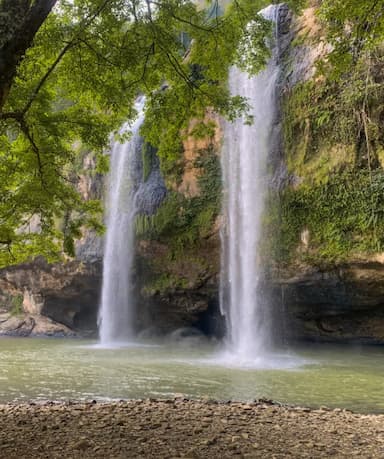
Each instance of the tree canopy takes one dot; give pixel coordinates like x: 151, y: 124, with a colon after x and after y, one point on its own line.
x: 354, y: 29
x: 70, y: 71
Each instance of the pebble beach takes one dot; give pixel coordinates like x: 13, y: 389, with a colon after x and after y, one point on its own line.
x: 181, y: 428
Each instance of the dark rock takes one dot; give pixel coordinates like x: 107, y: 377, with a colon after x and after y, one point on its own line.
x: 340, y: 304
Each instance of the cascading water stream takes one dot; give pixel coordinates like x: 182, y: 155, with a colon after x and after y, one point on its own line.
x: 117, y: 311
x: 245, y: 181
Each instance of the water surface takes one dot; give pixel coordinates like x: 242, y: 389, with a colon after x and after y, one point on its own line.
x: 41, y: 369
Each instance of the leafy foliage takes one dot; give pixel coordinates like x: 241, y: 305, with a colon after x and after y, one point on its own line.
x: 334, y: 142
x: 344, y: 216
x: 354, y: 29
x: 347, y: 111
x: 16, y: 305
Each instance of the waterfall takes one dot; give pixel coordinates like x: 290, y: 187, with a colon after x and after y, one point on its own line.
x: 117, y: 311
x: 245, y: 182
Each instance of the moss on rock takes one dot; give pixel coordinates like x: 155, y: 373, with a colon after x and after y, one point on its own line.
x: 331, y: 210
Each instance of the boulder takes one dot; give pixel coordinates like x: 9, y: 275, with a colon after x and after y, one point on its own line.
x: 67, y: 293
x: 31, y: 325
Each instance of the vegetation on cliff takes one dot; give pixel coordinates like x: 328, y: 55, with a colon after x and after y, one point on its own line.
x: 182, y: 226
x: 332, y: 209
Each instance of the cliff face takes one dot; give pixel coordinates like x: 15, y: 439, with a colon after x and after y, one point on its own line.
x: 343, y: 303
x: 326, y: 269
x: 181, y: 291
x: 178, y: 249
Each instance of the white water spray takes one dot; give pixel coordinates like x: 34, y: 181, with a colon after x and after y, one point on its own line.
x: 117, y: 311
x: 245, y: 181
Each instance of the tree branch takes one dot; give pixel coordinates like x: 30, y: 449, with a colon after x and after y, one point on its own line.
x: 46, y: 76
x: 24, y: 128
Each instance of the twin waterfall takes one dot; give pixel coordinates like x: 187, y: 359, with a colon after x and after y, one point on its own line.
x: 117, y: 311
x: 245, y: 182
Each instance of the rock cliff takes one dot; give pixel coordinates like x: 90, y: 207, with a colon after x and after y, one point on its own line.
x: 178, y: 250
x: 324, y: 269
x: 343, y: 303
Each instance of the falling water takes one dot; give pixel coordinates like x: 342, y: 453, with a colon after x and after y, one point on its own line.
x: 245, y: 177
x: 116, y: 316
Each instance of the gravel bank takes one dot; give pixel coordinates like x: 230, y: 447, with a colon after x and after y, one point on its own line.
x: 186, y: 429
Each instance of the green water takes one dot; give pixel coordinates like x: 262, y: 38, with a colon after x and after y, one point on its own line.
x: 41, y: 369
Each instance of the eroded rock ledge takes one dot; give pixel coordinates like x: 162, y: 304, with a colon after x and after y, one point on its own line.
x: 39, y: 296
x: 344, y: 303
x: 31, y: 325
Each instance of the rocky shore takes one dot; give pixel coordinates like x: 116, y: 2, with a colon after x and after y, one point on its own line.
x: 182, y: 428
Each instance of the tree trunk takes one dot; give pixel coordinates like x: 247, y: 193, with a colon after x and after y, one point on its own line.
x: 19, y: 23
